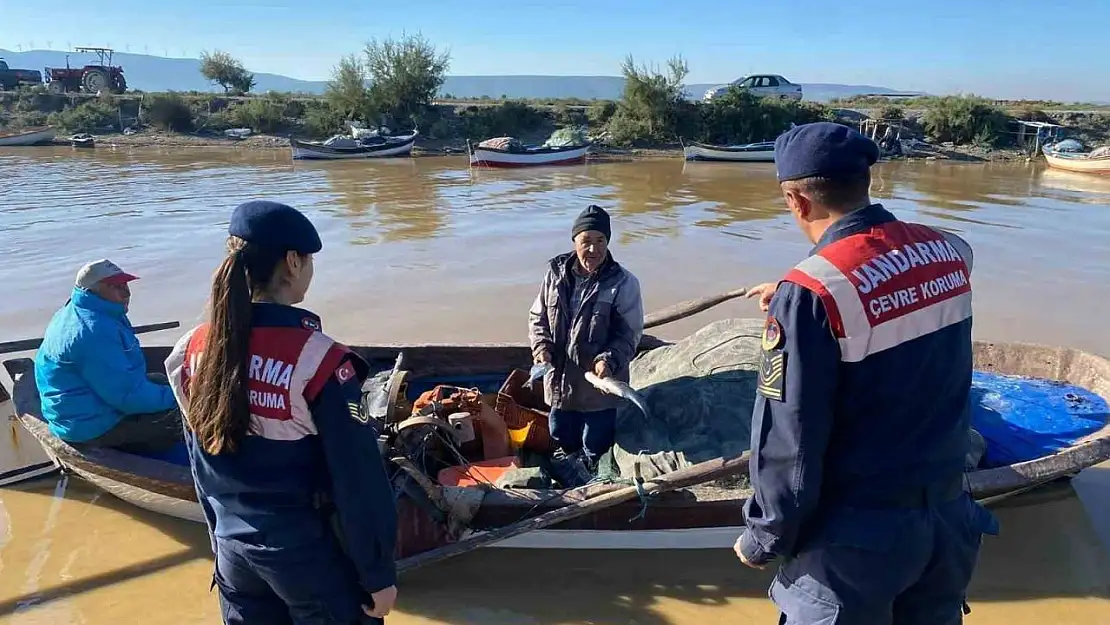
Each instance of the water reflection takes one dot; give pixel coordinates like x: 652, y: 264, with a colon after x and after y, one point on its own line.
x: 383, y: 201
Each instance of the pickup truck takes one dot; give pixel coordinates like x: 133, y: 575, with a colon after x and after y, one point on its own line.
x: 12, y: 78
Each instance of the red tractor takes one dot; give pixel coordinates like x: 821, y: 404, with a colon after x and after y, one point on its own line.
x: 90, y: 78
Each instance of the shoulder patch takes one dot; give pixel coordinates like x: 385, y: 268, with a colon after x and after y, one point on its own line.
x: 772, y: 334
x: 772, y: 374
x: 310, y: 323
x: 345, y: 372
x: 354, y: 408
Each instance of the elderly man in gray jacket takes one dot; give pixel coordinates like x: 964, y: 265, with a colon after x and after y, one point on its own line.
x: 588, y: 316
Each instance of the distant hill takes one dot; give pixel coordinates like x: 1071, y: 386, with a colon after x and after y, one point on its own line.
x: 155, y: 73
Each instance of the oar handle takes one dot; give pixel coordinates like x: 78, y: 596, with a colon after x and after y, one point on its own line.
x: 685, y: 309
x: 23, y: 345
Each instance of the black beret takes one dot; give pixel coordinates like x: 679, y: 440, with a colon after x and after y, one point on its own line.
x: 276, y: 226
x: 593, y: 218
x: 823, y: 149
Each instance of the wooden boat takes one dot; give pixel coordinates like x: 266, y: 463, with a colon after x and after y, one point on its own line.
x: 383, y: 147
x: 532, y: 156
x: 693, y: 515
x: 32, y: 136
x: 1095, y: 162
x: 763, y: 152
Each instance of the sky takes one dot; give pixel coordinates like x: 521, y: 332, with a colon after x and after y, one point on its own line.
x: 995, y: 48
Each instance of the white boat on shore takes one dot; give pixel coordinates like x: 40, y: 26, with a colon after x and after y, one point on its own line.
x: 378, y: 147
x: 1093, y: 162
x: 762, y: 152
x: 487, y: 156
x: 31, y: 136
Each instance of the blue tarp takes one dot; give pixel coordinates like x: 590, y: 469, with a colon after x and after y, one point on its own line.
x: 1025, y: 418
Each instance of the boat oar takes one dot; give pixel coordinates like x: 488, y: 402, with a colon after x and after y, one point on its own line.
x: 696, y: 474
x: 685, y: 309
x: 23, y: 345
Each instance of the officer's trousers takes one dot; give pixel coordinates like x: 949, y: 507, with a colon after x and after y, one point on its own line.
x: 884, y: 566
x: 310, y: 584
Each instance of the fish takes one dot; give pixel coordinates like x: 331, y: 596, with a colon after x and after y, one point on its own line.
x: 613, y: 386
x: 538, y: 371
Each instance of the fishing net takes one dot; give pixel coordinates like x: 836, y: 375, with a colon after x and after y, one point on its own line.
x: 699, y: 392
x: 511, y: 144
x: 567, y: 137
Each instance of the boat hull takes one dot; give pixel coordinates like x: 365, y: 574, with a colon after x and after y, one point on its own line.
x: 706, y: 516
x: 303, y: 150
x: 485, y: 157
x: 753, y: 153
x: 35, y: 137
x: 1078, y: 163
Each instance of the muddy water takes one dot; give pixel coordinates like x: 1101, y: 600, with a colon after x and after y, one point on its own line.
x: 426, y: 250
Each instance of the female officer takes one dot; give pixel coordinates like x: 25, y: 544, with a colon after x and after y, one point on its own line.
x: 277, y: 439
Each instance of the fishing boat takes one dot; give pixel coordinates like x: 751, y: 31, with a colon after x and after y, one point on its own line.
x: 698, y: 504
x: 485, y: 155
x: 1093, y: 162
x: 82, y: 140
x: 347, y: 148
x: 762, y: 152
x: 31, y: 136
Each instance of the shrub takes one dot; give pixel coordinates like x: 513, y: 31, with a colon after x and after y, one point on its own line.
x: 892, y: 113
x: 169, y: 111
x: 511, y: 117
x: 405, y: 74
x: 966, y: 119
x: 266, y: 115
x: 600, y: 113
x: 321, y: 120
x: 651, y: 108
x: 90, y: 116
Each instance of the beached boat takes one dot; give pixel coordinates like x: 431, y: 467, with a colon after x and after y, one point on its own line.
x: 374, y: 147
x: 1025, y: 449
x: 1093, y: 162
x: 526, y: 156
x: 32, y: 136
x: 83, y: 140
x: 762, y: 152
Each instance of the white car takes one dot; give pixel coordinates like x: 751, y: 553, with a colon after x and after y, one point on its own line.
x: 767, y: 85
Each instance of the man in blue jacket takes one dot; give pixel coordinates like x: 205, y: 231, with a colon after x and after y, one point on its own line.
x: 92, y: 375
x: 861, y: 420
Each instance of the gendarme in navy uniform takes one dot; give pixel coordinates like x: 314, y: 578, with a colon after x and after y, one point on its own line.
x: 861, y: 422
x: 304, y: 453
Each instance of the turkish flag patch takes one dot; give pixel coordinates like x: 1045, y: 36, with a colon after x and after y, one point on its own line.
x: 345, y: 373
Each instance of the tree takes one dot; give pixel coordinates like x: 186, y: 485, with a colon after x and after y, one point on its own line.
x: 226, y: 71
x: 405, y: 74
x: 346, y: 93
x: 651, y: 106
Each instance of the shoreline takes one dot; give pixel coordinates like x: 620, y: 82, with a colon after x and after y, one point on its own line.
x: 438, y: 147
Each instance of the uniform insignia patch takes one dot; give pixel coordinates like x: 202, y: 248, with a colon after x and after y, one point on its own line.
x: 344, y: 373
x: 772, y: 334
x: 310, y: 323
x: 772, y: 374
x: 355, y: 409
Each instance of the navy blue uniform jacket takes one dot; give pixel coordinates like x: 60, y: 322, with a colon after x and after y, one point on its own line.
x: 865, y: 376
x: 312, y: 446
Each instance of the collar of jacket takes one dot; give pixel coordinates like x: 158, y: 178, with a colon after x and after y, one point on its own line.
x: 272, y: 315
x: 88, y: 300
x: 853, y: 223
x: 564, y: 265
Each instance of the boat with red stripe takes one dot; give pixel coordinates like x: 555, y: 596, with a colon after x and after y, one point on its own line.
x: 502, y: 152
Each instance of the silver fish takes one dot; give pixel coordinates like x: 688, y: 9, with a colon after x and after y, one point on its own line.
x: 538, y: 371
x: 613, y: 386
